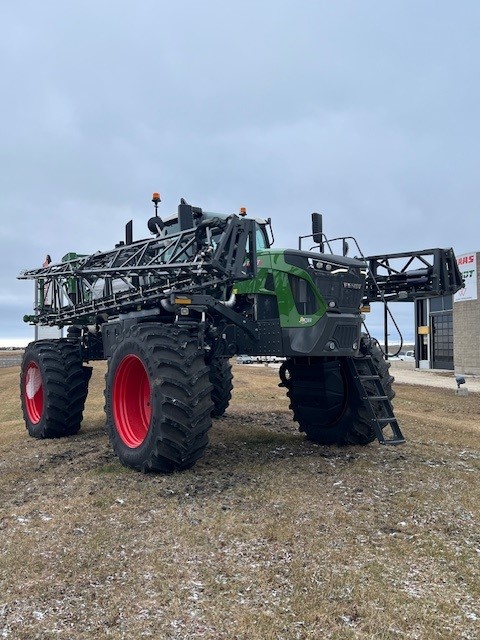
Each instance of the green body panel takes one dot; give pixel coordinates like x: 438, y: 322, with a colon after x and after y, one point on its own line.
x: 273, y: 262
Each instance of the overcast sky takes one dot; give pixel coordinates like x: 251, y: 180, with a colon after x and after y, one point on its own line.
x: 365, y: 111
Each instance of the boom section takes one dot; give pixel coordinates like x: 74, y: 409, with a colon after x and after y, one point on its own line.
x: 205, y: 259
x: 412, y: 275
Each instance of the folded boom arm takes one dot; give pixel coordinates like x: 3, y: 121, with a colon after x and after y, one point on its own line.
x: 412, y: 275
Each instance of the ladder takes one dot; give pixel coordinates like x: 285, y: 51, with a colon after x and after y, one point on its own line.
x: 374, y: 399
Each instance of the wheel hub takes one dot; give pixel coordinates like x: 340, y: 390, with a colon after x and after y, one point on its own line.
x: 131, y: 401
x: 33, y: 393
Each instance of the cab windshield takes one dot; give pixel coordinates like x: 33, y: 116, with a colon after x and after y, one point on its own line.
x: 260, y: 239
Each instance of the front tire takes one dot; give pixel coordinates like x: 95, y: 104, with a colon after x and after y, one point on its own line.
x: 53, y: 388
x: 158, y: 398
x: 325, y: 401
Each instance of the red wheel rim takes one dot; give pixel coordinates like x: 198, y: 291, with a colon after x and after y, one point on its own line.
x: 33, y: 393
x: 131, y: 401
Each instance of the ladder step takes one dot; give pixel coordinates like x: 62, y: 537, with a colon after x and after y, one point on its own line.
x: 386, y: 420
x: 372, y: 377
x: 378, y: 397
x: 392, y: 441
x: 397, y: 437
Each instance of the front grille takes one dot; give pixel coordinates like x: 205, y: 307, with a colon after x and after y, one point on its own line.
x: 340, y: 289
x: 345, y: 335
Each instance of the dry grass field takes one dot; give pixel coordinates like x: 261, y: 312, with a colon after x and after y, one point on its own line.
x: 267, y: 537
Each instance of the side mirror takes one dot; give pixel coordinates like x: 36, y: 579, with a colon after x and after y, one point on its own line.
x: 317, y: 229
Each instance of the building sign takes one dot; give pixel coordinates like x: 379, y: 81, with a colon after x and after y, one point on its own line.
x: 467, y: 263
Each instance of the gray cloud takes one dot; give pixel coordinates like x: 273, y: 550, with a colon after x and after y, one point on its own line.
x: 364, y: 111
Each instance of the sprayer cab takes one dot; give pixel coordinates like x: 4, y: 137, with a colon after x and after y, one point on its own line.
x: 190, y: 217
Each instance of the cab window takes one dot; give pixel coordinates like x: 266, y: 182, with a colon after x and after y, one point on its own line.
x: 260, y: 239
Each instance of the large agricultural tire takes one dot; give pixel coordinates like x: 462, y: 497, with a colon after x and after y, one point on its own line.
x: 158, y: 398
x: 221, y: 378
x: 53, y: 388
x: 325, y: 401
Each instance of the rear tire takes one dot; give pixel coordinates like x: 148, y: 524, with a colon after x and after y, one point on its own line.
x: 54, y: 386
x: 221, y: 378
x: 324, y: 399
x: 158, y: 398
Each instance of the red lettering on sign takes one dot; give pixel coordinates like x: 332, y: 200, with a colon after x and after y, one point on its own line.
x: 466, y: 260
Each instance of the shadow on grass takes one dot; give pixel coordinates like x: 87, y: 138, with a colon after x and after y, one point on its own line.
x: 238, y: 445
x: 264, y: 439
